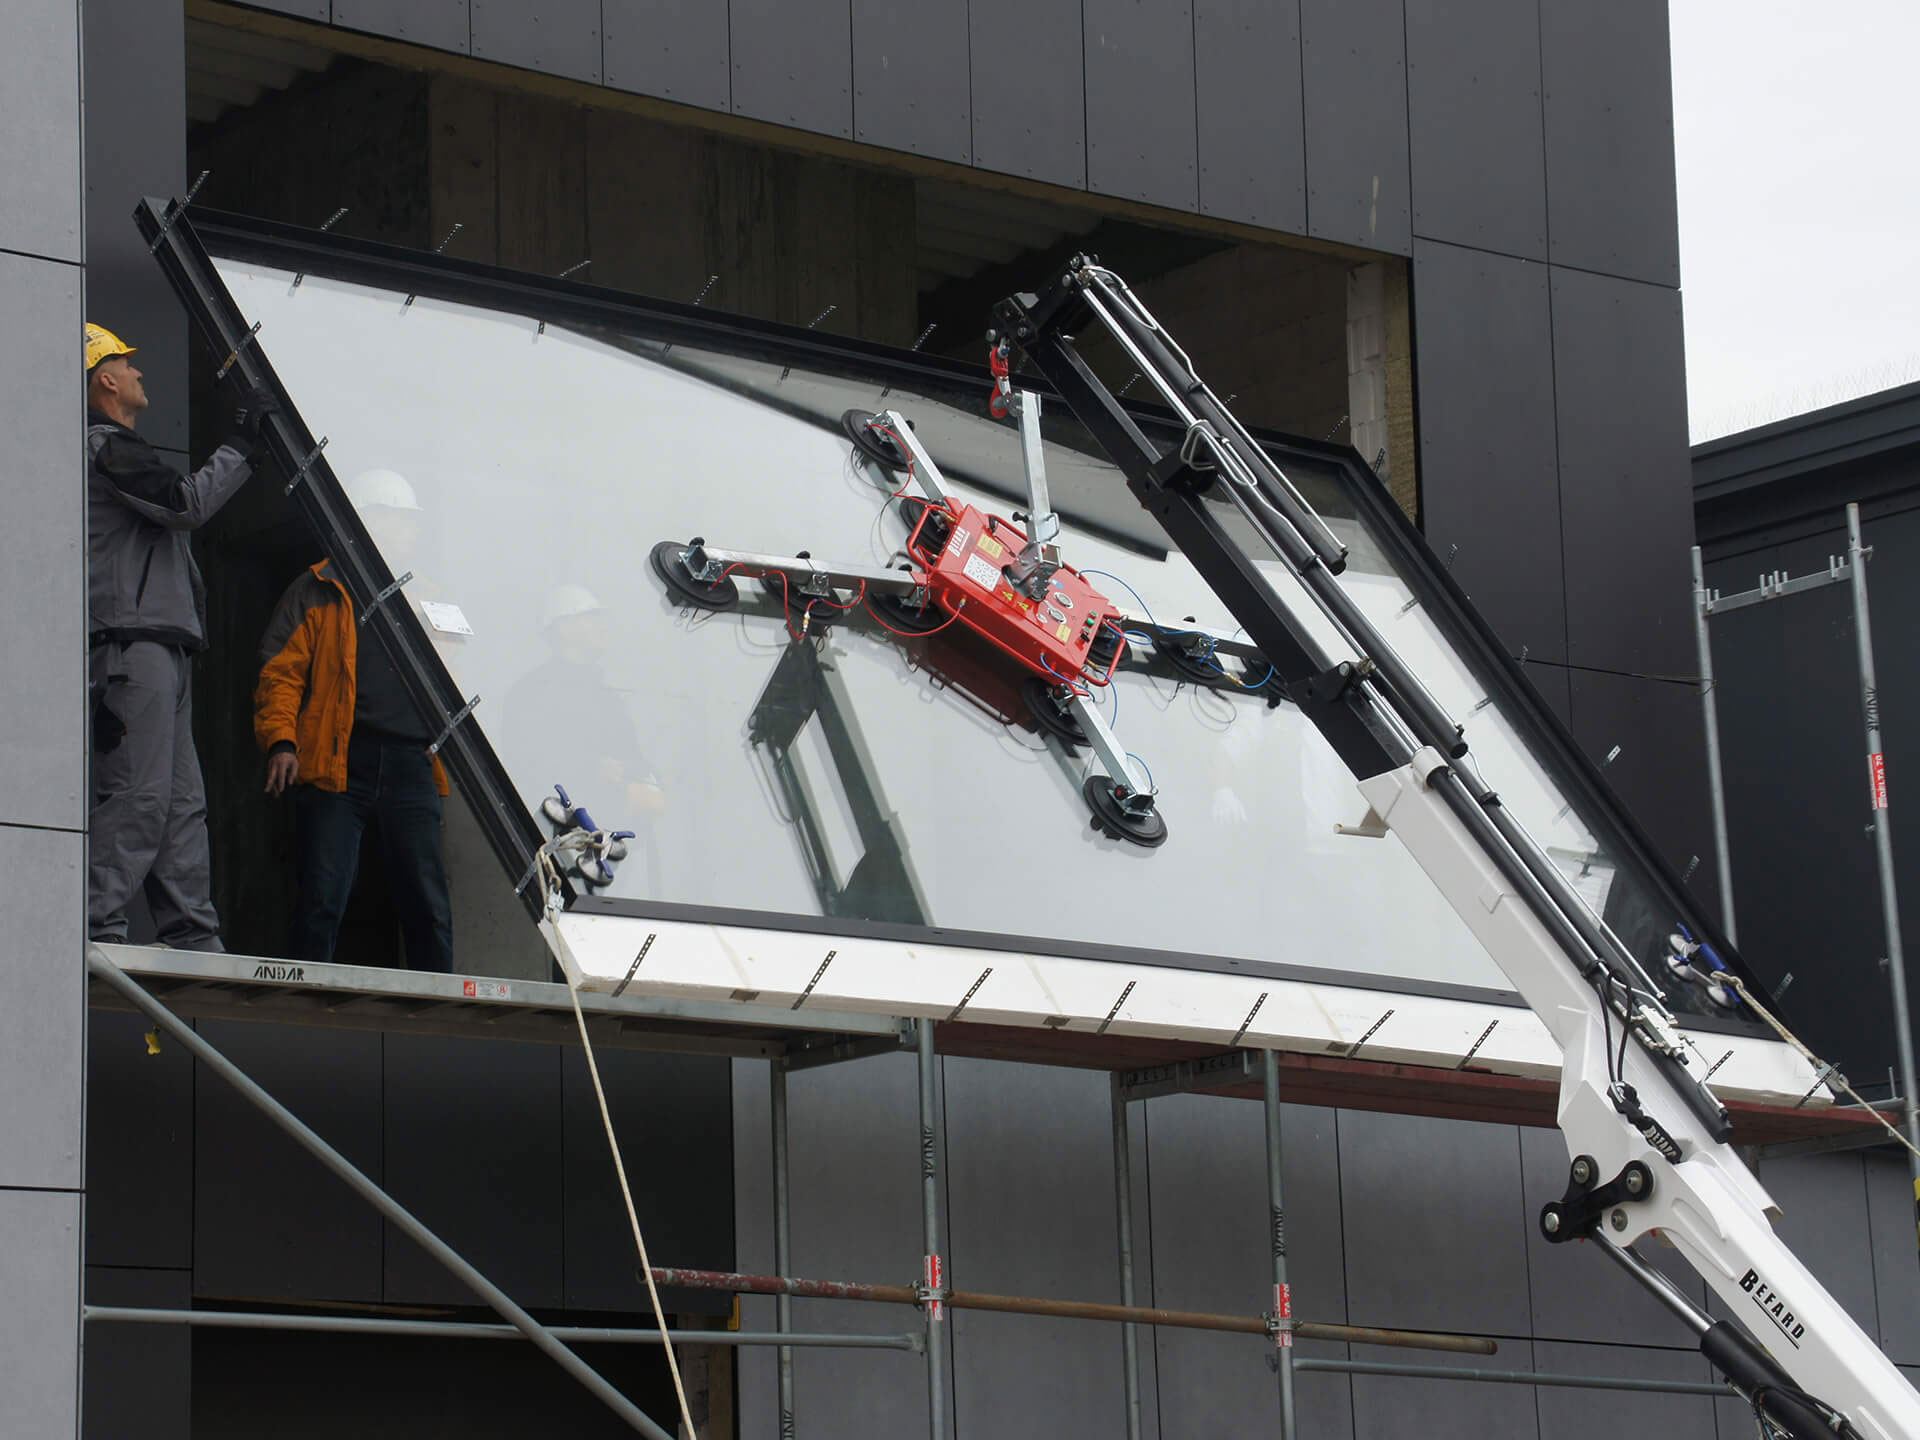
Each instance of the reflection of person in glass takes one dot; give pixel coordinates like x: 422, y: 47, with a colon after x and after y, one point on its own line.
x: 338, y: 725
x: 565, y: 717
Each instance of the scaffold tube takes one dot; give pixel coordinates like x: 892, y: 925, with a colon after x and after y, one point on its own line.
x: 1069, y: 1310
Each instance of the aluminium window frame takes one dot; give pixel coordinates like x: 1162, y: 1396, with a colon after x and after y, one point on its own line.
x: 186, y: 249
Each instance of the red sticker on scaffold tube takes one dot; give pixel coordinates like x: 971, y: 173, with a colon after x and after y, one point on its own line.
x: 936, y: 1309
x: 1283, y: 1309
x: 1877, y: 764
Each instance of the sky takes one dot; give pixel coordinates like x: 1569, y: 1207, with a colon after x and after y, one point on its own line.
x: 1797, y: 139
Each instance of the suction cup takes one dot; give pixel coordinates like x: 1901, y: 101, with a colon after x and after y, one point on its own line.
x: 1189, y: 666
x: 595, y: 871
x: 1049, y: 716
x: 1145, y: 829
x: 668, y: 565
x: 558, y: 813
x: 901, y: 613
x: 870, y: 442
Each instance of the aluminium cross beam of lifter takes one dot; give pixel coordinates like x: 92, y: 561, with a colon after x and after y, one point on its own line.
x: 1649, y: 1141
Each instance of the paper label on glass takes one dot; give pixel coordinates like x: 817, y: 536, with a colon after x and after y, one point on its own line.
x: 445, y: 617
x: 982, y: 571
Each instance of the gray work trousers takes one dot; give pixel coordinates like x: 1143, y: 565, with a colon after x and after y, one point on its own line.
x: 147, y: 827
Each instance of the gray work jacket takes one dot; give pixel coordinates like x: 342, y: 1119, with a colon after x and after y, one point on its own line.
x: 142, y: 583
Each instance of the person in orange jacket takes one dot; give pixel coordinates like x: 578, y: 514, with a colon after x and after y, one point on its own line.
x: 341, y: 732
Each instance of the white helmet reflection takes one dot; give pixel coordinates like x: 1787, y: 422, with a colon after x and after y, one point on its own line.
x: 381, y: 490
x: 566, y: 600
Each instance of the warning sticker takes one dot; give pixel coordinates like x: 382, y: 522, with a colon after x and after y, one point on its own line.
x: 1065, y: 632
x: 959, y: 541
x: 982, y: 571
x: 1877, y: 765
x: 991, y: 547
x: 486, y: 990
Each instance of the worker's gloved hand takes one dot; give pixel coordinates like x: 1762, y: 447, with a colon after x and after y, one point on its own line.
x: 251, y: 412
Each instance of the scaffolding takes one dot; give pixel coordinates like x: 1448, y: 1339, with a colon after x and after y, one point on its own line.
x: 165, y: 985
x: 1778, y: 585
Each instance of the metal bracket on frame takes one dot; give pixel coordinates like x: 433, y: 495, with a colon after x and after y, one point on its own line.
x: 384, y: 596
x: 453, y: 723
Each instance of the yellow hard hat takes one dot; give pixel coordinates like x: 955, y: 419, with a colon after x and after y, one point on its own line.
x: 103, y: 344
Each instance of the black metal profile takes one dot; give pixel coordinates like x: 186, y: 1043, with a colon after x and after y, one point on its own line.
x: 315, y: 492
x: 185, y: 254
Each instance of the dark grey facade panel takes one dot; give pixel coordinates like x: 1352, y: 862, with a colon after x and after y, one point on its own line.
x: 1823, y: 1200
x: 1660, y: 773
x: 1353, y: 58
x: 679, y: 1159
x: 1021, y: 1225
x: 138, y: 1379
x: 911, y: 77
x: 1896, y: 1268
x: 793, y: 63
x: 139, y: 1147
x: 43, y: 774
x: 270, y: 1223
x: 137, y: 145
x: 1211, y: 1244
x: 1570, y: 1414
x: 1473, y: 110
x: 304, y: 9
x: 1250, y: 116
x: 1574, y: 1294
x: 561, y: 37
x: 1457, y: 1260
x: 472, y: 1149
x: 1397, y: 1406
x: 1140, y: 114
x: 40, y: 136
x: 1626, y: 504
x: 443, y: 24
x: 1489, y: 465
x: 1608, y: 85
x: 1029, y: 98
x: 676, y: 49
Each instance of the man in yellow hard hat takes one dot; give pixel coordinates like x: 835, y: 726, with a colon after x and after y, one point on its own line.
x: 147, y: 824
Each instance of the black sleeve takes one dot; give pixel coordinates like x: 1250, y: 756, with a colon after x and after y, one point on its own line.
x: 136, y: 470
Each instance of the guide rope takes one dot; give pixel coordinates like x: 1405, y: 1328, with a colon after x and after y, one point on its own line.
x: 550, y: 872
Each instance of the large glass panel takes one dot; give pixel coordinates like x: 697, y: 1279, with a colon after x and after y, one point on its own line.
x: 856, y: 774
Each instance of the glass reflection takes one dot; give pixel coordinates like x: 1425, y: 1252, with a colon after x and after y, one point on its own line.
x: 856, y: 773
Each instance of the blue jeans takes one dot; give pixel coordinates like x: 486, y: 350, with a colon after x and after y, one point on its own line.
x: 390, y: 785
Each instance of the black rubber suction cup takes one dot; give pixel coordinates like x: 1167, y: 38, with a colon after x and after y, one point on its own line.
x: 1200, y: 669
x: 860, y: 427
x: 722, y: 594
x: 1049, y: 716
x: 900, y: 612
x: 1143, y: 828
x: 1103, y: 647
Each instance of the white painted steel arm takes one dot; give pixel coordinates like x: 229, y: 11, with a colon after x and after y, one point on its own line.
x: 1709, y: 1205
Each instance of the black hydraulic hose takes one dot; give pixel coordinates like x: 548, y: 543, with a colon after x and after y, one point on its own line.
x: 1768, y: 1388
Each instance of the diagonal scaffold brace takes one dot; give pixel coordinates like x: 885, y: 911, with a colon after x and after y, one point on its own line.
x: 112, y: 975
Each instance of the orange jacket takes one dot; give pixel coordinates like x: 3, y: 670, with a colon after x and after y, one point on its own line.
x: 307, y: 687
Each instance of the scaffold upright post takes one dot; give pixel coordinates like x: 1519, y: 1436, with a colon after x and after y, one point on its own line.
x: 1883, y: 844
x: 1123, y: 1214
x: 782, y: 1257
x: 1716, y: 780
x: 934, y: 1282
x: 1277, y: 1221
